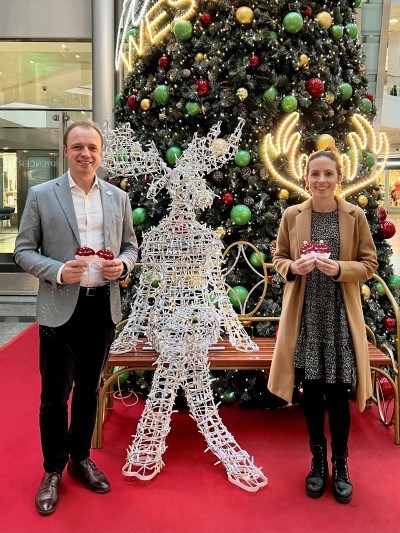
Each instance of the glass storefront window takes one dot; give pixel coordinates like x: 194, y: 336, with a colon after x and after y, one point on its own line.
x: 394, y: 188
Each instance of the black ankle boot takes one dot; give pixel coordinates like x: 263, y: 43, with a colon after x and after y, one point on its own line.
x: 316, y: 479
x: 342, y: 487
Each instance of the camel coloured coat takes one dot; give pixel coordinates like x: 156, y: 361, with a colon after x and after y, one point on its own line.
x: 357, y: 260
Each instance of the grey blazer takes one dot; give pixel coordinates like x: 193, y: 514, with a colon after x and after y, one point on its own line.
x: 48, y: 237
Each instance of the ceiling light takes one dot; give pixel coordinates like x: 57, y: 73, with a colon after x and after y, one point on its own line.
x: 393, y: 21
x: 63, y: 46
x: 77, y: 56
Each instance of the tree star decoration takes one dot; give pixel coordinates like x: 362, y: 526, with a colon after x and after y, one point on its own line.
x: 286, y: 144
x: 179, y: 315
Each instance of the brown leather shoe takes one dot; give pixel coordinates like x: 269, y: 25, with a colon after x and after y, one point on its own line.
x: 88, y: 474
x: 46, y: 499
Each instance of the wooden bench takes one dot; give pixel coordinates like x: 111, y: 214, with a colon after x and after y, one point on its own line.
x: 224, y: 357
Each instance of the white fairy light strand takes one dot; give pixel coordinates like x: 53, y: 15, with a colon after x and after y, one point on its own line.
x: 181, y: 268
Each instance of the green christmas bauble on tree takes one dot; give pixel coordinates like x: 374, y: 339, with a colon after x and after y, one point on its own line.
x: 365, y: 105
x: 133, y: 32
x: 255, y: 259
x: 346, y: 91
x: 139, y: 215
x: 337, y: 32
x: 122, y: 378
x: 193, y: 108
x: 293, y: 22
x: 242, y: 158
x: 369, y: 160
x: 357, y: 3
x: 351, y: 30
x: 394, y: 283
x: 351, y: 151
x: 240, y: 215
x: 272, y: 36
x: 183, y: 30
x: 237, y: 295
x: 172, y: 154
x: 289, y: 104
x: 270, y: 94
x: 228, y: 397
x: 118, y: 98
x: 161, y: 94
x: 379, y: 289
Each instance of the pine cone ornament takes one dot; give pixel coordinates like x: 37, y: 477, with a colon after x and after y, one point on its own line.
x: 186, y: 73
x: 162, y: 116
x: 218, y: 176
x: 180, y: 104
x: 242, y: 111
x: 272, y: 247
x: 249, y: 201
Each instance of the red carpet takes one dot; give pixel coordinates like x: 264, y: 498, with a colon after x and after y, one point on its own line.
x: 190, y: 495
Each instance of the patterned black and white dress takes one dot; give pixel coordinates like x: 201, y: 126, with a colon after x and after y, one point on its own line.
x: 324, y: 348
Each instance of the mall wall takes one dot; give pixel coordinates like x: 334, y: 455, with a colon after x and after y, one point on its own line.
x: 52, y: 19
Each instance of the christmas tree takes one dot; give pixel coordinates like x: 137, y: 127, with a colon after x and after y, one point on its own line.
x: 206, y: 61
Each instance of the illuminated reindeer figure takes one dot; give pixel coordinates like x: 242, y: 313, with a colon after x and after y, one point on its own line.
x: 183, y: 299
x: 286, y: 144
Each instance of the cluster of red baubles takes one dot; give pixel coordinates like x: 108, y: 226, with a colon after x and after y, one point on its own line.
x: 387, y: 229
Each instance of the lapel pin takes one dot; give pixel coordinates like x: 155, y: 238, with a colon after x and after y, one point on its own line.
x: 109, y: 193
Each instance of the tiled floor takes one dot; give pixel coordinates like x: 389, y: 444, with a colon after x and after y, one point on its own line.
x: 18, y: 312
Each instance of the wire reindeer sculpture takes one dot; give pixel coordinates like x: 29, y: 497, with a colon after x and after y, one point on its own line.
x: 181, y: 306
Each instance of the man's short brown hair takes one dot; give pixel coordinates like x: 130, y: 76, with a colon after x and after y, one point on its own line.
x: 82, y: 124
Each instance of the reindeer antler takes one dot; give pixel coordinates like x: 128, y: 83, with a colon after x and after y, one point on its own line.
x: 286, y: 144
x: 364, y: 137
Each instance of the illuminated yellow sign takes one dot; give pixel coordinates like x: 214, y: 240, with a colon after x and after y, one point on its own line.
x: 154, y: 20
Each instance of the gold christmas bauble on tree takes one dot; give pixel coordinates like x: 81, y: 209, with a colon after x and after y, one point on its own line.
x: 242, y: 94
x: 220, y: 231
x: 219, y: 146
x: 145, y: 104
x: 126, y: 283
x: 283, y: 194
x: 304, y: 60
x: 324, y: 140
x: 362, y: 200
x: 199, y: 56
x: 244, y: 15
x: 366, y: 291
x: 324, y: 19
x: 124, y: 184
x: 329, y: 98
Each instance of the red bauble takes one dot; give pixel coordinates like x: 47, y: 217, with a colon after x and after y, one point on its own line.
x: 203, y: 86
x: 386, y: 388
x: 164, y: 62
x: 227, y: 198
x: 315, y: 87
x: 307, y: 12
x: 389, y: 323
x: 133, y: 102
x: 381, y: 211
x: 370, y: 97
x: 254, y: 61
x: 270, y: 278
x: 206, y: 19
x: 388, y: 229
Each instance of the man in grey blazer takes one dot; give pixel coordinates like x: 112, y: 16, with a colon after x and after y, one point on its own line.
x: 78, y: 302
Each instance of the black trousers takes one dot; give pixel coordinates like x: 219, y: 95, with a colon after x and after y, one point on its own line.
x: 73, y: 355
x: 319, y: 397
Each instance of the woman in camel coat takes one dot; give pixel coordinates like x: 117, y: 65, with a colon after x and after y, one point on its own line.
x: 322, y: 331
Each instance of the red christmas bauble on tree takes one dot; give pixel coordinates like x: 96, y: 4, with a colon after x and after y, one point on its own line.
x: 206, y: 19
x: 386, y: 388
x: 388, y: 229
x: 389, y: 323
x: 381, y: 211
x: 307, y: 12
x: 227, y: 198
x: 164, y: 62
x: 254, y: 61
x: 203, y: 86
x: 315, y: 87
x: 133, y: 102
x: 370, y: 97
